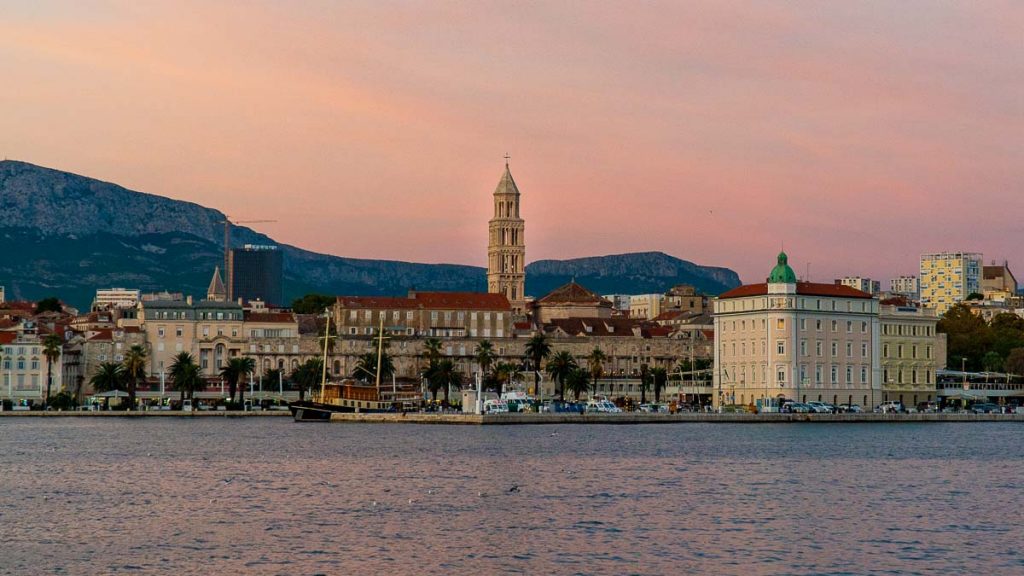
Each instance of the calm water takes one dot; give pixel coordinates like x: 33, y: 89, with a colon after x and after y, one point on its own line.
x: 268, y: 496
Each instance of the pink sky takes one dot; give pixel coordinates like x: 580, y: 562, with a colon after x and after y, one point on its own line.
x: 860, y: 134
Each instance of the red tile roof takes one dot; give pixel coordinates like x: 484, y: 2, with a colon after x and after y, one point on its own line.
x: 271, y: 317
x: 430, y: 301
x: 802, y: 288
x: 7, y: 337
x: 572, y: 293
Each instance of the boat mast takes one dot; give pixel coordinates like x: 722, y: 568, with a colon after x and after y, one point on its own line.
x: 380, y: 348
x: 323, y: 365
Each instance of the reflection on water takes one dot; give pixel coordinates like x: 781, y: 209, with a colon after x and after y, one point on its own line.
x: 267, y: 496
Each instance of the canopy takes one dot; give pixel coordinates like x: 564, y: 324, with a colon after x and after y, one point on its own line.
x: 111, y: 394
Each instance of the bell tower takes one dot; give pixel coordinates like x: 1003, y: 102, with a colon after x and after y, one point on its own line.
x: 506, y: 249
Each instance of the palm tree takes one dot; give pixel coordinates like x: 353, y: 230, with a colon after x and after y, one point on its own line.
x: 366, y: 366
x: 505, y: 372
x: 485, y: 356
x: 185, y: 375
x: 307, y: 375
x: 559, y: 366
x: 645, y: 382
x: 445, y: 377
x: 109, y: 376
x: 432, y: 349
x: 52, y: 346
x: 537, y: 349
x: 273, y: 375
x: 660, y: 377
x: 134, y: 369
x: 577, y: 382
x: 234, y: 372
x: 595, y: 362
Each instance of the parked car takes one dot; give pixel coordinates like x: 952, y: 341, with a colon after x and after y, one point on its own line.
x: 889, y: 407
x: 985, y: 408
x: 821, y: 407
x: 796, y: 407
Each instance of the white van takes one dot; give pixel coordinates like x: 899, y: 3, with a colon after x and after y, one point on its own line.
x: 495, y: 407
x: 186, y: 406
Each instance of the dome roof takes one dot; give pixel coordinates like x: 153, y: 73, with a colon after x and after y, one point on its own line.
x: 782, y: 273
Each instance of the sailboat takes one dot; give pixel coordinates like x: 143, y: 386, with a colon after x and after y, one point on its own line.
x: 349, y: 395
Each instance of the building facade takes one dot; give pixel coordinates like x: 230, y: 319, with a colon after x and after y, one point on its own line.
x: 868, y: 285
x: 255, y: 272
x: 506, y: 245
x: 911, y: 353
x: 116, y: 298
x: 645, y: 306
x: 796, y: 340
x: 907, y: 286
x: 948, y: 278
x: 426, y: 314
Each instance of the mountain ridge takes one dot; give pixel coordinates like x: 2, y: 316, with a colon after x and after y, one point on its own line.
x: 60, y: 231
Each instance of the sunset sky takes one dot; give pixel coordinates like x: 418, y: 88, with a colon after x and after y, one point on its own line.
x: 858, y: 134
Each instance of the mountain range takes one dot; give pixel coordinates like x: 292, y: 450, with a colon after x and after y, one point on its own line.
x: 66, y: 235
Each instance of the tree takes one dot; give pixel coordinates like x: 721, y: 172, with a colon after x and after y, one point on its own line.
x: 109, y: 376
x: 366, y: 366
x: 134, y: 369
x: 504, y: 372
x: 537, y: 349
x: 975, y: 296
x: 645, y: 382
x: 313, y: 303
x: 307, y: 375
x: 53, y: 345
x: 968, y: 337
x: 1007, y: 331
x: 1015, y: 362
x: 559, y: 366
x: 484, y: 355
x: 273, y: 376
x: 432, y: 349
x: 185, y: 375
x: 659, y: 376
x: 445, y: 377
x: 992, y: 361
x: 595, y: 362
x: 51, y: 304
x: 577, y: 382
x: 233, y: 372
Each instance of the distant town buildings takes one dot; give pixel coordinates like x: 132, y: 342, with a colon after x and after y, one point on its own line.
x: 906, y: 286
x: 912, y: 353
x: 120, y: 298
x: 645, y: 306
x: 947, y: 278
x: 997, y: 282
x: 868, y: 285
x: 506, y: 246
x: 255, y: 272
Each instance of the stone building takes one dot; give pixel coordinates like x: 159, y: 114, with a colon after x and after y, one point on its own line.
x: 506, y: 246
x: 107, y: 344
x: 797, y: 340
x: 426, y: 314
x: 570, y: 301
x: 911, y: 353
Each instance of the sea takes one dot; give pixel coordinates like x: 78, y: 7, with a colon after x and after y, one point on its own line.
x: 270, y: 496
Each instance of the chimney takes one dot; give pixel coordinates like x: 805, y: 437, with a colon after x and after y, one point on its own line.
x: 188, y: 300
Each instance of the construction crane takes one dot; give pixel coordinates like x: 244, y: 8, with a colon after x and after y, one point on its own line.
x: 227, y: 248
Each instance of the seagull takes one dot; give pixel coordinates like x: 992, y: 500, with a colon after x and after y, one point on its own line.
x: 514, y: 488
x: 430, y: 491
x: 375, y: 503
x: 227, y: 480
x: 410, y: 500
x: 480, y: 494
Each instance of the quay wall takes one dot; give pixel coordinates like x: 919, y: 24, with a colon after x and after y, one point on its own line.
x: 643, y: 418
x: 143, y: 414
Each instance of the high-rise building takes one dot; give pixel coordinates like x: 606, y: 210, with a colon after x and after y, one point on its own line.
x: 506, y: 247
x: 948, y: 278
x: 107, y: 298
x: 254, y: 273
x: 997, y: 278
x: 868, y: 285
x: 905, y: 286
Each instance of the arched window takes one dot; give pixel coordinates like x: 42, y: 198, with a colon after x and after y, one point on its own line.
x: 337, y: 367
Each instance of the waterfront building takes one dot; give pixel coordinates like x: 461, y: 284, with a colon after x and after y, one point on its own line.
x: 255, y: 272
x: 116, y: 298
x: 905, y: 286
x: 868, y: 285
x: 948, y: 278
x: 426, y: 314
x: 912, y: 352
x: 105, y: 344
x: 506, y: 246
x: 24, y: 365
x: 797, y: 340
x: 570, y: 301
x: 998, y: 282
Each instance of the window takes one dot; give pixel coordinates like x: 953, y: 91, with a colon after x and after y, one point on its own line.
x: 353, y: 315
x: 899, y: 351
x: 863, y: 349
x: 368, y: 315
x: 849, y: 349
x: 780, y: 324
x: 928, y: 352
x: 835, y: 374
x: 913, y: 351
x: 849, y: 326
x: 178, y: 331
x: 817, y: 324
x: 835, y: 349
x: 803, y: 373
x: 160, y: 332
x: 803, y: 323
x: 780, y: 347
x: 863, y: 374
x: 780, y: 374
x: 817, y: 374
x: 835, y: 324
x: 803, y: 347
x: 817, y: 348
x: 849, y: 374
x: 885, y: 350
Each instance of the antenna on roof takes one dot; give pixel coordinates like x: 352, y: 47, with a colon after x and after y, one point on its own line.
x: 807, y: 274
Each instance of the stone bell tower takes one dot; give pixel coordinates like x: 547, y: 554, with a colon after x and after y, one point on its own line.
x: 506, y: 249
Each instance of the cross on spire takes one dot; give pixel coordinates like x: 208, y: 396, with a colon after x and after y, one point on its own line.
x: 507, y: 159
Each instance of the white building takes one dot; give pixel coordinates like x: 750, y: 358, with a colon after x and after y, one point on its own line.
x: 905, y: 286
x: 868, y: 285
x: 796, y: 340
x: 123, y: 298
x: 645, y: 306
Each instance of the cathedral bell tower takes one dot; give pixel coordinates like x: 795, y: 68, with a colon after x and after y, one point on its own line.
x: 506, y: 250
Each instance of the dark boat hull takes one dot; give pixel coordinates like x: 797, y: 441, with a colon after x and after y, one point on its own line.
x: 308, y: 411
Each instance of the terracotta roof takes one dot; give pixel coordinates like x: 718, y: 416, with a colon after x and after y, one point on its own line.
x: 522, y: 326
x: 895, y: 301
x: 278, y: 317
x: 670, y: 315
x: 431, y: 301
x: 656, y: 331
x: 104, y: 334
x: 573, y: 293
x: 7, y: 337
x: 594, y: 326
x: 802, y: 288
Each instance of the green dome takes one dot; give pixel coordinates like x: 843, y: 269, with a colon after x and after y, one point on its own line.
x: 782, y: 273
